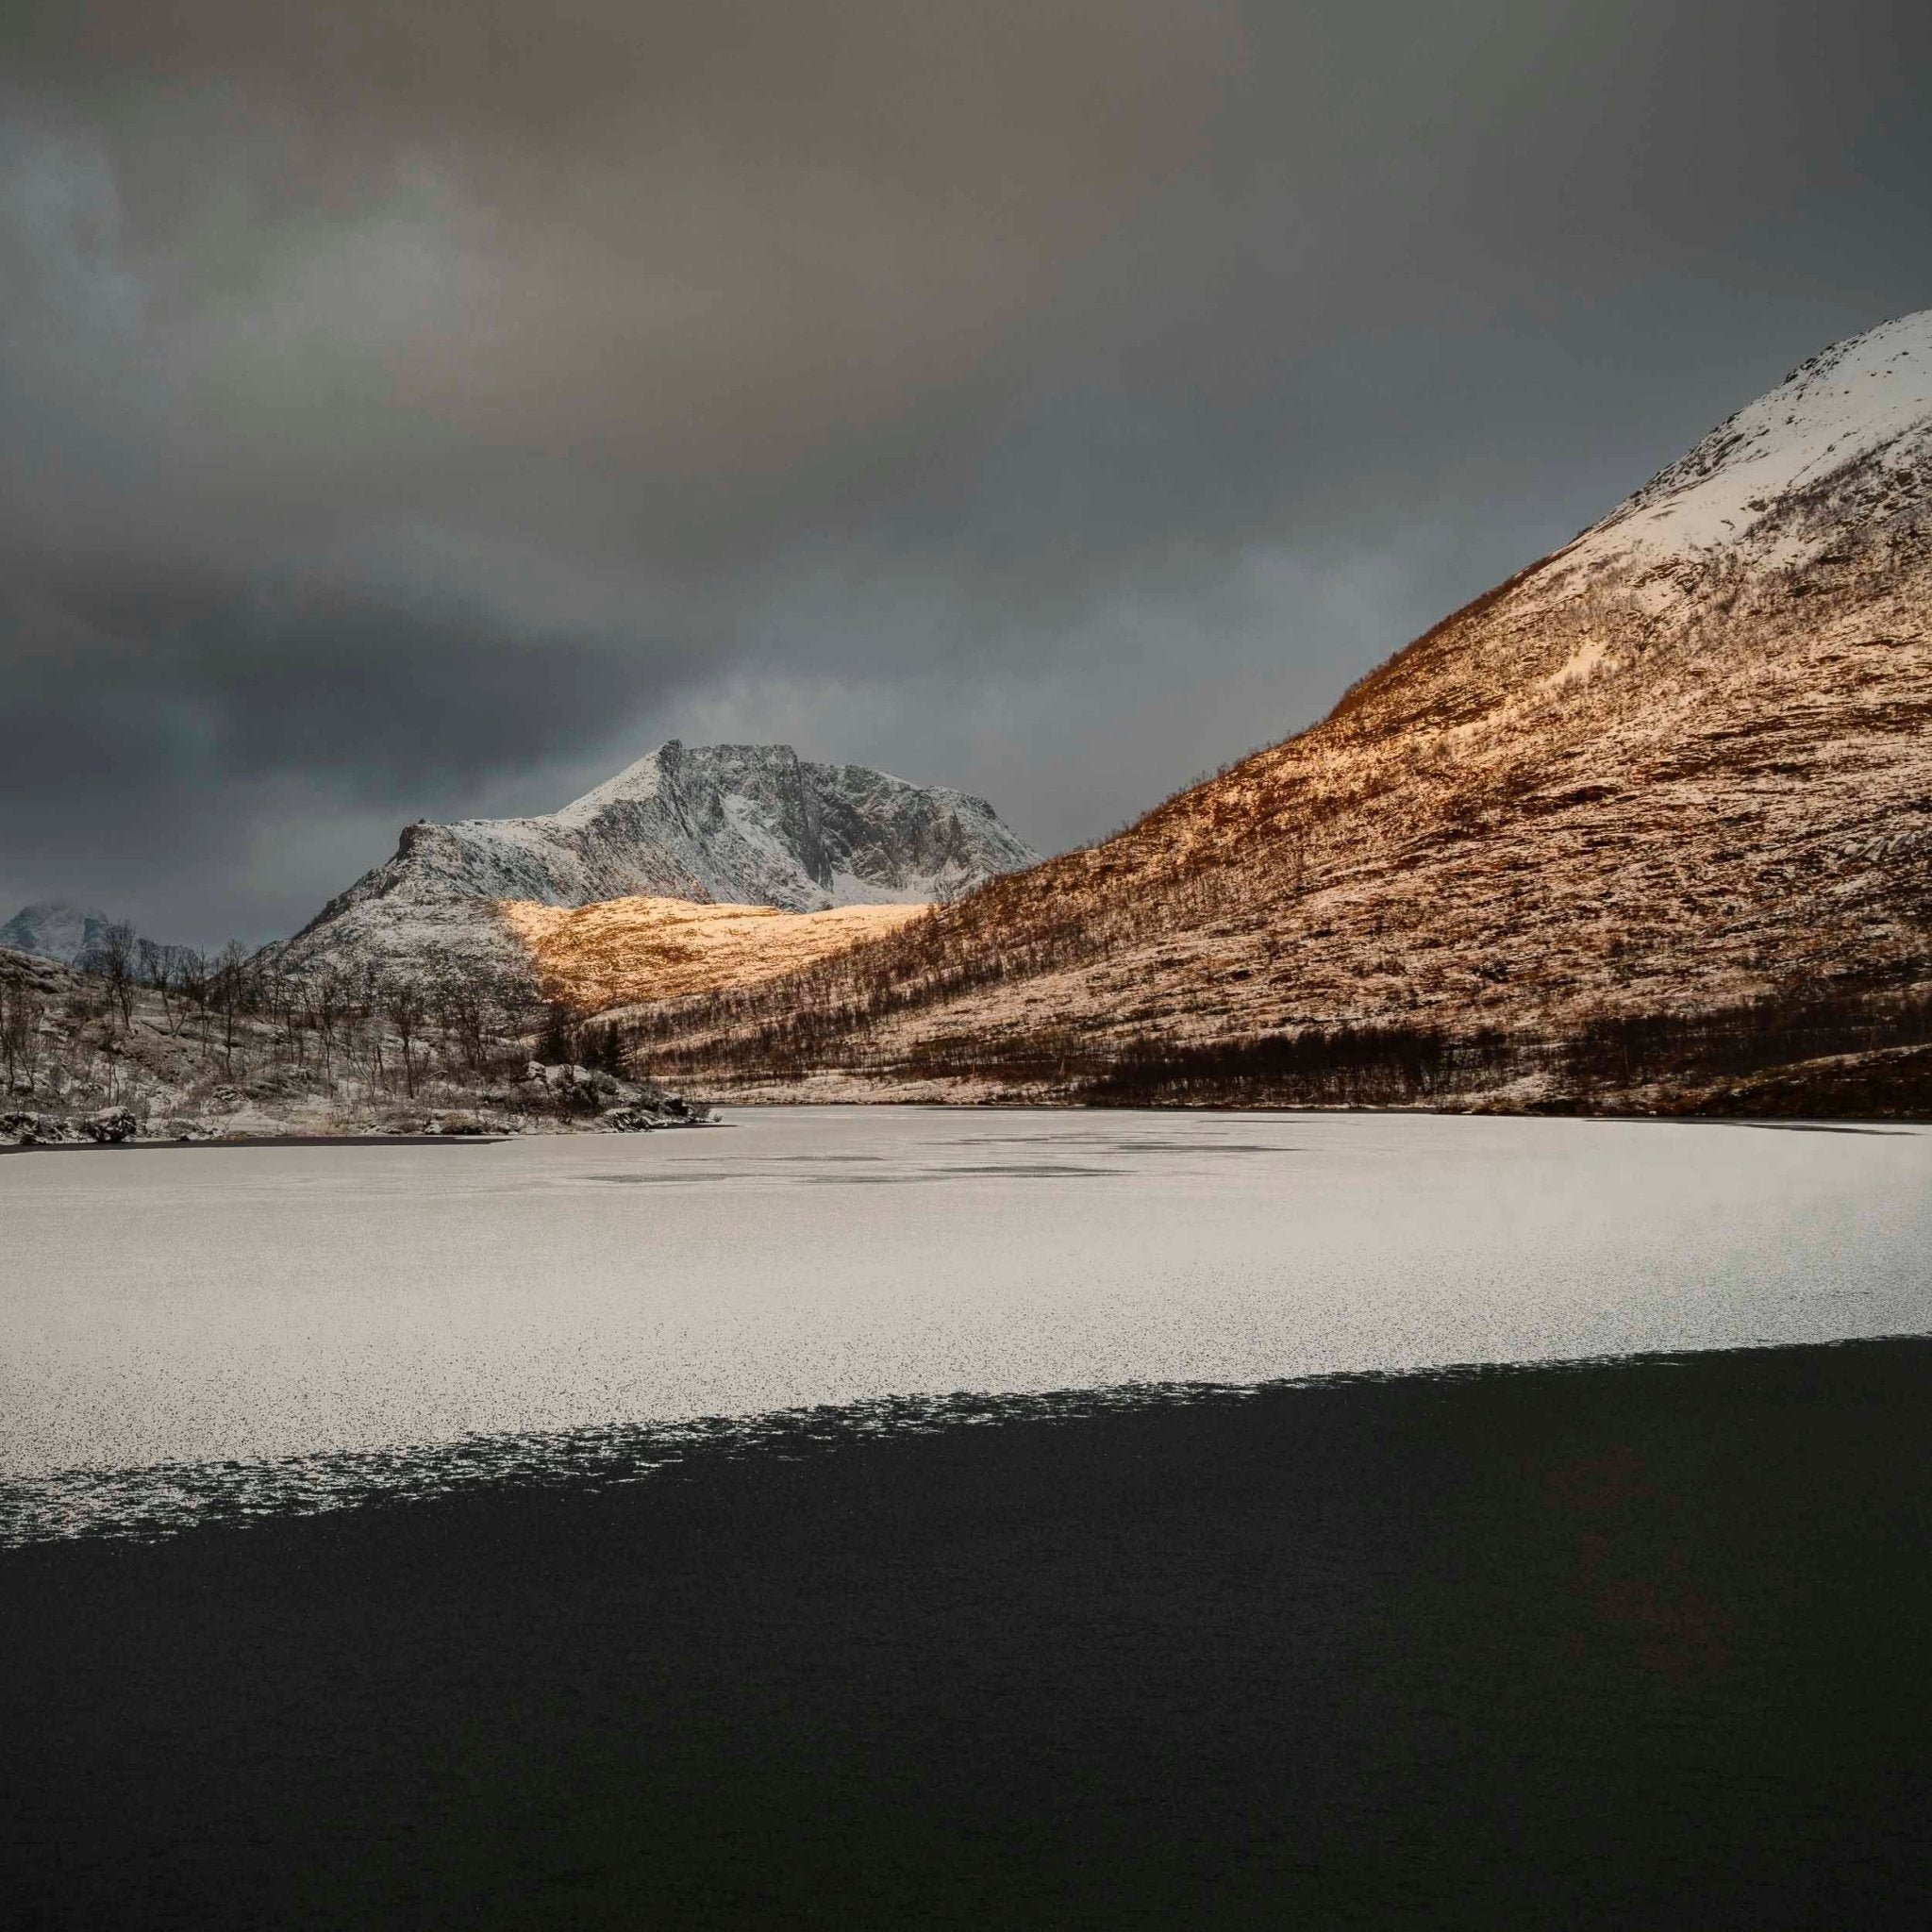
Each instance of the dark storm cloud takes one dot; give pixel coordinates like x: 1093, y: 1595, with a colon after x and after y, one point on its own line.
x: 410, y: 409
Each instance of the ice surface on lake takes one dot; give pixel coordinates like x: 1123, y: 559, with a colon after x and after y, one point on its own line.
x: 191, y: 1305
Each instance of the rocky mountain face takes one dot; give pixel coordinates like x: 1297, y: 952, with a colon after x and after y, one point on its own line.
x: 1651, y: 822
x: 726, y: 824
x: 55, y: 930
x: 83, y: 936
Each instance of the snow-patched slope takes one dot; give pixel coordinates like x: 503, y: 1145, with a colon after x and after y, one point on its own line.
x: 740, y: 824
x: 1683, y: 763
x: 1850, y: 429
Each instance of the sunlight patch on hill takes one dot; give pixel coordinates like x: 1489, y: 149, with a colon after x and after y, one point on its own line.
x: 647, y: 948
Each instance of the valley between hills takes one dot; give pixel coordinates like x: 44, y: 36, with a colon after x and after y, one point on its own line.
x: 1646, y: 828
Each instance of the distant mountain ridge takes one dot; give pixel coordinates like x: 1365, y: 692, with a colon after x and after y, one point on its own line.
x: 737, y: 825
x: 82, y: 936
x: 1672, y: 783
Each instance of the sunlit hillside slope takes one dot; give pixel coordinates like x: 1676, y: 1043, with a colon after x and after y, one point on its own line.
x: 1653, y: 819
x: 621, y: 951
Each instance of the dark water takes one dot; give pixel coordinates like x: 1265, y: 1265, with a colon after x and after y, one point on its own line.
x: 1638, y: 1643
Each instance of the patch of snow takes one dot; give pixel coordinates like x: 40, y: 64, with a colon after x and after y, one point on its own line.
x: 1579, y: 666
x: 1863, y: 406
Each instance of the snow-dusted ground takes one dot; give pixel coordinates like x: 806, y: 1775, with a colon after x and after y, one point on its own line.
x: 182, y: 1306
x: 1861, y: 405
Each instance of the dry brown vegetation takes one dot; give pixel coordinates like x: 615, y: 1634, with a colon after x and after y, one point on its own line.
x: 622, y: 951
x: 1584, y: 802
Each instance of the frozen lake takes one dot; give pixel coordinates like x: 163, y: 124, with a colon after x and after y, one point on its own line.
x: 250, y: 1306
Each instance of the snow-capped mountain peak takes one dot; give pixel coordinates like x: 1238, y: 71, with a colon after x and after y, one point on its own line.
x: 722, y: 823
x: 1845, y: 436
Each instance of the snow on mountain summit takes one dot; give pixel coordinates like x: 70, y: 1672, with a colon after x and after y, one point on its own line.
x: 725, y: 824
x: 1847, y: 434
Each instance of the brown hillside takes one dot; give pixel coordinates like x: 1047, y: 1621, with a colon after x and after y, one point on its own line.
x: 620, y: 951
x: 1672, y: 779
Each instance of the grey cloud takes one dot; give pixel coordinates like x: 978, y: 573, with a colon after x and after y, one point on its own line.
x: 422, y: 409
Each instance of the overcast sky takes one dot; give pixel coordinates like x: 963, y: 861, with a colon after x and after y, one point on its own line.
x: 420, y: 410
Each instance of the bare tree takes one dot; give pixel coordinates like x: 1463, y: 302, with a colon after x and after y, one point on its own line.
x: 329, y: 1002
x: 230, y: 993
x: 463, y: 1012
x: 116, y: 957
x: 368, y: 998
x: 170, y: 980
x: 518, y: 1007
x: 404, y: 1006
x: 188, y: 984
x: 20, y: 1012
x: 556, y: 1043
